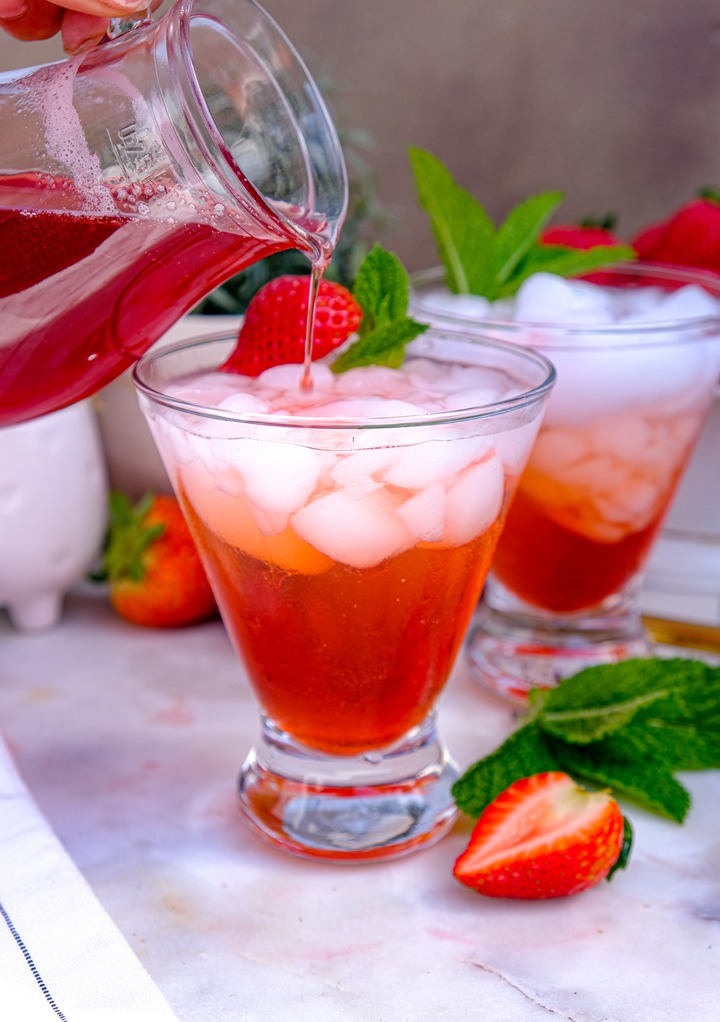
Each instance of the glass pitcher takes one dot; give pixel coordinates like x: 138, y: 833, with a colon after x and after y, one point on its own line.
x: 139, y: 176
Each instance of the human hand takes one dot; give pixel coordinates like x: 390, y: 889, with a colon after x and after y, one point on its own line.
x: 82, y: 23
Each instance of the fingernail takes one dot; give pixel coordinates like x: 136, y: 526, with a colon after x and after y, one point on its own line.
x: 83, y: 45
x: 12, y: 9
x: 131, y: 6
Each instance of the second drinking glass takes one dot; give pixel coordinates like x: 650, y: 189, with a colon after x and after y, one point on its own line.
x: 637, y: 350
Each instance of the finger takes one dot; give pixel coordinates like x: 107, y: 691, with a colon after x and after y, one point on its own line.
x: 40, y: 20
x: 106, y: 8
x: 12, y: 8
x: 81, y: 31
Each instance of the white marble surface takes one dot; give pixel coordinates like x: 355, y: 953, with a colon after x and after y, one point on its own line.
x: 130, y: 741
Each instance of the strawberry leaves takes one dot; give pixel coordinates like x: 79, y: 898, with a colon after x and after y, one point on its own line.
x: 493, y: 262
x: 628, y: 726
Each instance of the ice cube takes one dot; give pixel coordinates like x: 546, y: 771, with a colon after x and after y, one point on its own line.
x: 623, y: 436
x: 240, y: 403
x: 358, y: 530
x: 278, y: 477
x: 229, y: 482
x: 477, y: 397
x: 281, y: 377
x: 634, y: 505
x: 546, y: 298
x: 207, y: 389
x: 556, y: 449
x: 175, y: 445
x: 362, y: 408
x: 363, y: 468
x: 597, y: 474
x: 515, y: 445
x: 373, y: 380
x: 270, y: 523
x: 475, y: 501
x: 440, y: 302
x: 690, y: 302
x: 424, y: 513
x: 436, y: 460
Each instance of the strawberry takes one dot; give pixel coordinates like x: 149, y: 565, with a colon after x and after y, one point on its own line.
x: 152, y: 566
x: 690, y: 237
x: 273, y: 331
x: 579, y: 236
x: 544, y: 837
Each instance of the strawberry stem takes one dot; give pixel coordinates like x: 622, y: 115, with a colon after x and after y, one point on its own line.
x: 712, y: 194
x: 129, y: 538
x: 624, y: 856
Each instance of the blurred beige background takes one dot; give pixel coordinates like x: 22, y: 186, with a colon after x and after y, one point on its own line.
x: 616, y: 103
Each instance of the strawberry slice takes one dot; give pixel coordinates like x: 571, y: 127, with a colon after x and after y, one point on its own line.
x: 544, y: 837
x: 273, y: 331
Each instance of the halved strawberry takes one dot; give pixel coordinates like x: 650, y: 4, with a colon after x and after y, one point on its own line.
x: 544, y: 837
x: 273, y: 331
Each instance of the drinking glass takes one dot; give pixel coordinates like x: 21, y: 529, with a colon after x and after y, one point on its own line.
x: 630, y: 401
x: 347, y: 535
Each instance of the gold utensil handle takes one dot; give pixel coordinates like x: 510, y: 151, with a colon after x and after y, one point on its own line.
x: 683, y: 633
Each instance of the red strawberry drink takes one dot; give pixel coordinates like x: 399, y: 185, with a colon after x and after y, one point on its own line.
x: 637, y: 359
x: 347, y: 529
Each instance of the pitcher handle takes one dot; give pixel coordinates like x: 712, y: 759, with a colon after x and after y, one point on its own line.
x: 119, y: 26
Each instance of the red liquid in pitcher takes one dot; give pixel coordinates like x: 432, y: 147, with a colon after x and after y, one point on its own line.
x: 82, y: 295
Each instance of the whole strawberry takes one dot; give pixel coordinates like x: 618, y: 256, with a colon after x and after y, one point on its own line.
x: 690, y: 237
x: 151, y: 564
x: 273, y: 331
x: 544, y: 837
x: 579, y: 236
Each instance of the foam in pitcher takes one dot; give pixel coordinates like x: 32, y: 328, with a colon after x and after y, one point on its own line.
x: 64, y: 135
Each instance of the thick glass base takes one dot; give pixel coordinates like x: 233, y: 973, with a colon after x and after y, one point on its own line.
x: 511, y: 651
x: 349, y: 808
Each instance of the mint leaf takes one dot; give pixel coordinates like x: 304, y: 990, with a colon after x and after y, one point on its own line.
x: 463, y: 231
x: 647, y: 783
x: 521, y: 231
x: 565, y: 262
x: 627, y: 726
x: 480, y: 260
x: 382, y: 288
x: 524, y: 753
x: 673, y: 731
x: 385, y: 345
x: 600, y: 700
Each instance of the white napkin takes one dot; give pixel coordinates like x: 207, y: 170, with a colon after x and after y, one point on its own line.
x: 61, y: 956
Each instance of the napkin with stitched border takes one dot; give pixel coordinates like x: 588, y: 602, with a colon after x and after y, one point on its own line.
x: 61, y: 956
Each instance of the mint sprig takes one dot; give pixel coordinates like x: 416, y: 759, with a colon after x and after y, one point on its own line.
x: 382, y: 289
x: 628, y: 727
x: 481, y: 259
